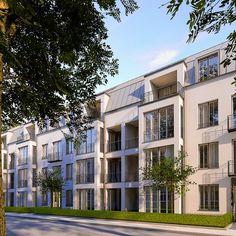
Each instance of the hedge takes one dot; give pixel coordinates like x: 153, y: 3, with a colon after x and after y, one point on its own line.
x: 183, y: 219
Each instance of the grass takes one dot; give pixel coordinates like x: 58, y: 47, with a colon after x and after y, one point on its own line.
x: 183, y: 219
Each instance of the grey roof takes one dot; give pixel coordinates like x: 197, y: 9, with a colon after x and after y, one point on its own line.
x: 124, y: 96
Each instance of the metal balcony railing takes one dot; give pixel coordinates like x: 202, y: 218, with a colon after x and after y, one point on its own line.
x: 131, y: 143
x: 208, y: 124
x: 231, y: 123
x: 114, y: 177
x: 22, y: 183
x: 53, y: 157
x: 132, y: 176
x: 85, y: 148
x: 25, y: 137
x: 161, y: 93
x: 114, y: 146
x: 158, y: 134
x: 12, y: 165
x: 231, y: 168
x: 85, y: 179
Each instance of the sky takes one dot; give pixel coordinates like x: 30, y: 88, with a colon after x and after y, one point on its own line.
x: 148, y: 39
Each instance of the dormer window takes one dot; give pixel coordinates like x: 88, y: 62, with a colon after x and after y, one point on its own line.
x: 208, y: 67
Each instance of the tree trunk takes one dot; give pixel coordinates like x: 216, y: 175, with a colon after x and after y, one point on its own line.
x: 51, y: 199
x: 3, y: 16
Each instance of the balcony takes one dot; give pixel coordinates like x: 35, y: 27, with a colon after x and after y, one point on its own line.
x: 158, y: 134
x: 231, y: 168
x: 162, y: 93
x: 231, y: 123
x: 53, y: 157
x: 114, y: 177
x: 25, y: 137
x: 22, y: 183
x: 131, y: 143
x: 85, y: 179
x: 85, y: 148
x: 114, y: 146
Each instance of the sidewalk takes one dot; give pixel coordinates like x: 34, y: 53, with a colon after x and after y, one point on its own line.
x: 230, y: 231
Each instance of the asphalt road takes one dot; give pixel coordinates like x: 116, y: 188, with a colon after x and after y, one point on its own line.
x: 17, y: 226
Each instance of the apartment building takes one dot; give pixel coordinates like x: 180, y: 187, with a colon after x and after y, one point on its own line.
x: 189, y: 105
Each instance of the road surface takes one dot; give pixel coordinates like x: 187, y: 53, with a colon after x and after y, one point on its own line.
x: 17, y: 226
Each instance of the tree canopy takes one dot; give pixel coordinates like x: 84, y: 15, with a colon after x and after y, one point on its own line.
x: 53, y: 54
x: 208, y: 16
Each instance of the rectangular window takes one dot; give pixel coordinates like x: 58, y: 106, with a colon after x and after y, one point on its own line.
x: 22, y: 178
x: 86, y: 199
x: 69, y: 198
x: 155, y: 154
x: 209, y: 197
x: 69, y: 146
x: 69, y: 171
x: 209, y: 155
x: 159, y: 124
x: 57, y: 150
x: 34, y: 178
x: 208, y: 67
x: 85, y: 171
x: 23, y: 155
x: 44, y: 199
x: 22, y: 199
x: 87, y: 143
x: 45, y: 151
x: 208, y: 114
x: 12, y: 161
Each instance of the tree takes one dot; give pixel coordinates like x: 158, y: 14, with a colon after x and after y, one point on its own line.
x: 51, y: 182
x: 53, y: 54
x: 170, y: 173
x: 209, y: 16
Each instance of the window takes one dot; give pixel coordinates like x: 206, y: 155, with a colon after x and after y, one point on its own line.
x: 86, y: 199
x: 158, y: 200
x: 155, y: 154
x: 159, y: 124
x: 85, y: 171
x: 44, y: 171
x: 69, y: 198
x: 44, y: 199
x: 23, y: 155
x: 34, y: 178
x: 208, y: 67
x: 45, y: 151
x: 87, y: 143
x: 69, y: 146
x: 209, y: 155
x: 208, y: 114
x: 22, y: 199
x: 12, y: 161
x: 69, y: 171
x: 57, y: 150
x: 209, y: 197
x: 22, y: 178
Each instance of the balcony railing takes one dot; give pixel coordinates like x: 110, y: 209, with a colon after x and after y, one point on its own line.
x: 22, y: 161
x: 85, y: 148
x: 231, y: 168
x: 25, y: 137
x: 161, y: 93
x: 231, y: 123
x: 85, y: 179
x: 22, y: 183
x: 53, y: 157
x: 114, y: 146
x: 132, y: 176
x: 114, y: 177
x: 12, y: 165
x: 131, y: 143
x: 11, y: 185
x: 208, y: 124
x: 158, y: 134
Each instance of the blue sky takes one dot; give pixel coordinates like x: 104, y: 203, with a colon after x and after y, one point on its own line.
x: 148, y: 39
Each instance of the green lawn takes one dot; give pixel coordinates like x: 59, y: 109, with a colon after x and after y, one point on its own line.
x: 184, y: 219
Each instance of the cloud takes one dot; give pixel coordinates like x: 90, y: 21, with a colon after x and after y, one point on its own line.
x: 162, y: 57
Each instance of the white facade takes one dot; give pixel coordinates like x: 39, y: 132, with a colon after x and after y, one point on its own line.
x: 188, y: 105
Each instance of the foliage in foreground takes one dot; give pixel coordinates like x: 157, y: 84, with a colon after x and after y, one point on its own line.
x: 183, y: 219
